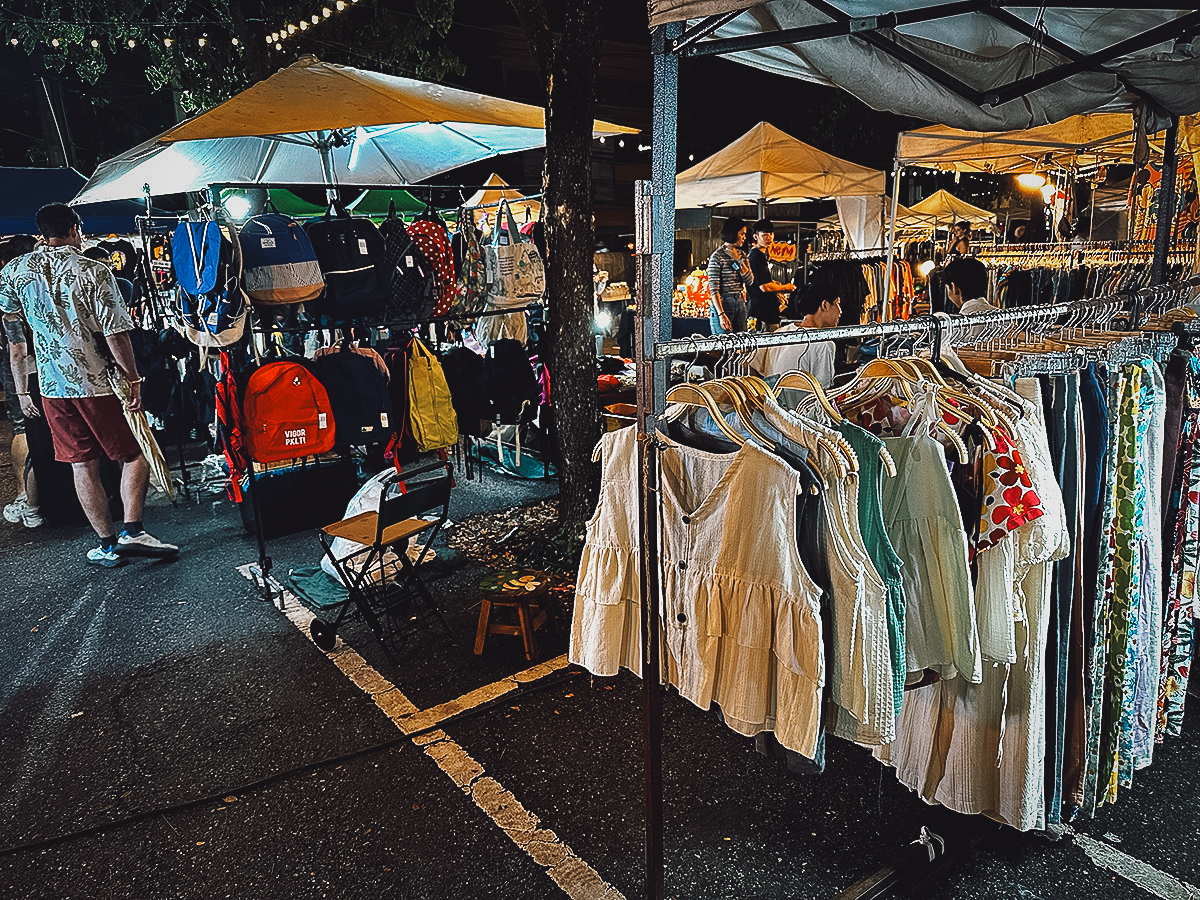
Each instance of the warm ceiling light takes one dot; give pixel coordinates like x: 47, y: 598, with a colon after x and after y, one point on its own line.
x: 1031, y: 181
x: 925, y: 268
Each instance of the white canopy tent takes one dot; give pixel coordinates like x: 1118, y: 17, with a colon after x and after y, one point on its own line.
x: 319, y: 123
x: 767, y: 164
x: 970, y: 65
x: 946, y: 209
x: 1077, y: 142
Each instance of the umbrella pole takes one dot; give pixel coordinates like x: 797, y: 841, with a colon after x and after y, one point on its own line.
x: 323, y: 148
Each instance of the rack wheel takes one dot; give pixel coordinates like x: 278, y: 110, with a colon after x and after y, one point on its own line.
x: 323, y: 634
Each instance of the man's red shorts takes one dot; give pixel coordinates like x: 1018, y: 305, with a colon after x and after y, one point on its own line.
x: 83, y: 428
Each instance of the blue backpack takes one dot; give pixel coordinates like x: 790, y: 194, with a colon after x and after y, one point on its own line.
x: 278, y: 262
x: 211, y: 307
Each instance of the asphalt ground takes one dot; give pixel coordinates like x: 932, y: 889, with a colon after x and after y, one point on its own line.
x: 169, y: 734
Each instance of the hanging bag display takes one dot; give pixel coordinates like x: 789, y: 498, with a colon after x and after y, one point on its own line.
x: 469, y: 266
x: 432, y: 236
x: 430, y: 408
x: 351, y: 254
x: 280, y: 265
x: 210, y: 305
x: 285, y: 413
x: 515, y: 274
x: 411, y: 291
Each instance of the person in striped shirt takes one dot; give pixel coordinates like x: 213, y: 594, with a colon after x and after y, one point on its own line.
x: 728, y: 274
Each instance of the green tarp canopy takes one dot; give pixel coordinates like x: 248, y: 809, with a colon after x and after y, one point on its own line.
x: 374, y: 203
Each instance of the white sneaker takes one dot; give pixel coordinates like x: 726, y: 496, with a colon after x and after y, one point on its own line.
x: 98, y: 556
x: 32, y: 517
x: 15, y: 510
x: 144, y: 544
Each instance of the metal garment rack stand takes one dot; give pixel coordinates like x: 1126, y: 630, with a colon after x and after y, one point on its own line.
x: 654, y: 225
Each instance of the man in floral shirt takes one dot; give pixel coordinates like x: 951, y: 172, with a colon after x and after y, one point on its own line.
x: 73, y: 306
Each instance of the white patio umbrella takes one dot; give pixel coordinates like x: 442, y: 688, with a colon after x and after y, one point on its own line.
x: 320, y: 123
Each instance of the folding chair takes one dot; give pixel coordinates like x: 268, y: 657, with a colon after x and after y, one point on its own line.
x: 385, y: 592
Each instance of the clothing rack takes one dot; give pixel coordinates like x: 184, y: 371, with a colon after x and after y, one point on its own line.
x: 653, y: 350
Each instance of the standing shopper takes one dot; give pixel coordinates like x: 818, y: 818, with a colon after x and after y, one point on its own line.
x: 73, y: 305
x: 24, y: 507
x: 765, y: 293
x: 728, y: 274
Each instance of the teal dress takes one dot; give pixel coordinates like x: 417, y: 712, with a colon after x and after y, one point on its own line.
x: 866, y: 447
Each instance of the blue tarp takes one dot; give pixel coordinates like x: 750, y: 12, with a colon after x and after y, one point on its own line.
x: 24, y: 191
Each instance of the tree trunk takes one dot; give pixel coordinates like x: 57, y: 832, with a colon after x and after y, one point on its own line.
x: 568, y: 65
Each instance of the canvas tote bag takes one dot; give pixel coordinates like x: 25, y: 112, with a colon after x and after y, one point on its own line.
x: 515, y: 273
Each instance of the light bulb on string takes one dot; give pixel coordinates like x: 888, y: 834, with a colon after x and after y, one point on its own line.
x: 271, y: 38
x: 167, y: 42
x: 202, y: 41
x: 326, y: 12
x: 602, y: 139
x: 291, y: 29
x: 279, y: 46
x: 316, y: 20
x: 235, y: 42
x: 340, y: 5
x: 14, y: 42
x: 304, y: 26
x: 131, y: 43
x: 54, y: 42
x: 621, y: 142
x: 95, y: 43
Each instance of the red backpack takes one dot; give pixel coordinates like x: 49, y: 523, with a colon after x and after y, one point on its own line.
x: 285, y: 413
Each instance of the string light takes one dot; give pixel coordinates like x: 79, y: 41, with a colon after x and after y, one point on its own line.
x: 167, y: 42
x: 95, y: 43
x: 54, y: 42
x: 279, y: 46
x: 325, y: 12
x: 203, y: 41
x: 235, y: 42
x: 14, y: 42
x: 131, y: 43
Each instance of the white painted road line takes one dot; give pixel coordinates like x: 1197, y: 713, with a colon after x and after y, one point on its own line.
x: 1144, y: 875
x: 576, y: 878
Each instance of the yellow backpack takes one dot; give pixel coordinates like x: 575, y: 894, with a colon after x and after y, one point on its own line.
x: 434, y: 423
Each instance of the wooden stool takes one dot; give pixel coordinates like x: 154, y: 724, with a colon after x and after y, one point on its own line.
x: 518, y: 590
